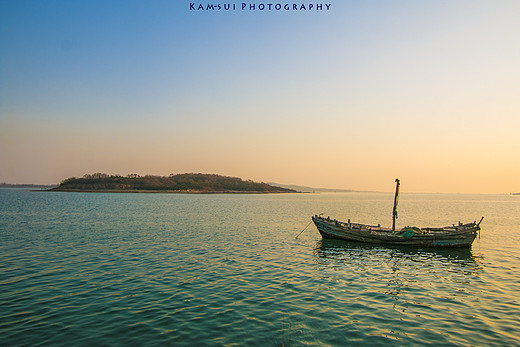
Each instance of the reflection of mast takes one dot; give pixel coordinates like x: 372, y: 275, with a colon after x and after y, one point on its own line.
x: 396, y: 197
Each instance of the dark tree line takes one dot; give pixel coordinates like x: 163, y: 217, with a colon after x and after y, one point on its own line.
x: 180, y: 182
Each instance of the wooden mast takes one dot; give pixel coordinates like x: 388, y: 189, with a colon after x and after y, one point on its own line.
x: 396, y: 197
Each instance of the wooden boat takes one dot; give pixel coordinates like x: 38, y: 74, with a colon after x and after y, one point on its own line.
x: 460, y: 235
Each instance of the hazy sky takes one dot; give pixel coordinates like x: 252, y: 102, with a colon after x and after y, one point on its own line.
x: 351, y: 97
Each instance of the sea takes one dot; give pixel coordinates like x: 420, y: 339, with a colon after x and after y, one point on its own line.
x: 140, y: 269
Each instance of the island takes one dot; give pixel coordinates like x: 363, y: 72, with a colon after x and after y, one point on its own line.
x: 174, y: 183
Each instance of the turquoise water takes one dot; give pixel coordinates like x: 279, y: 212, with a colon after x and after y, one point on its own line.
x: 174, y: 269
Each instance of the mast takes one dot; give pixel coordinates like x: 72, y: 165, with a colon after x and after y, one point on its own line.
x: 396, y: 198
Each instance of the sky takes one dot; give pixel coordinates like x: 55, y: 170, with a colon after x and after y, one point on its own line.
x: 351, y: 97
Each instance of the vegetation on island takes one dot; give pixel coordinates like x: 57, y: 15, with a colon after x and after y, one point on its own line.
x: 185, y: 183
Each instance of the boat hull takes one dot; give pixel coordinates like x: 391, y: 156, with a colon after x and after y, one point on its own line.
x: 456, y: 236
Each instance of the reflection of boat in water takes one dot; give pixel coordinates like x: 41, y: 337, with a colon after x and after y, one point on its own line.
x: 406, y: 273
x: 461, y: 235
x: 341, y: 249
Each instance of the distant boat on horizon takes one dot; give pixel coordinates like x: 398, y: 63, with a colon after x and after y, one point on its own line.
x: 460, y: 235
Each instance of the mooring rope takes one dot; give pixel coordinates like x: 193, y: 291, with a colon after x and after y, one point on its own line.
x: 303, y: 229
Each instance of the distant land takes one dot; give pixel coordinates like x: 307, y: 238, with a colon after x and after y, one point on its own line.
x: 34, y: 186
x: 179, y: 183
x: 305, y: 189
x: 117, y: 185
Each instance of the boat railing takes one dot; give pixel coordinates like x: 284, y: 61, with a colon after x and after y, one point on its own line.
x: 348, y: 224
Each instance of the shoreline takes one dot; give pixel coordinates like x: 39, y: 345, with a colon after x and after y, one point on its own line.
x: 135, y: 191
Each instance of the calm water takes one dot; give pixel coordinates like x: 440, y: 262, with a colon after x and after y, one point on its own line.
x: 155, y: 269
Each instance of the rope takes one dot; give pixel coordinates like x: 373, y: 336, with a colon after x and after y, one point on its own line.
x: 304, y: 229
